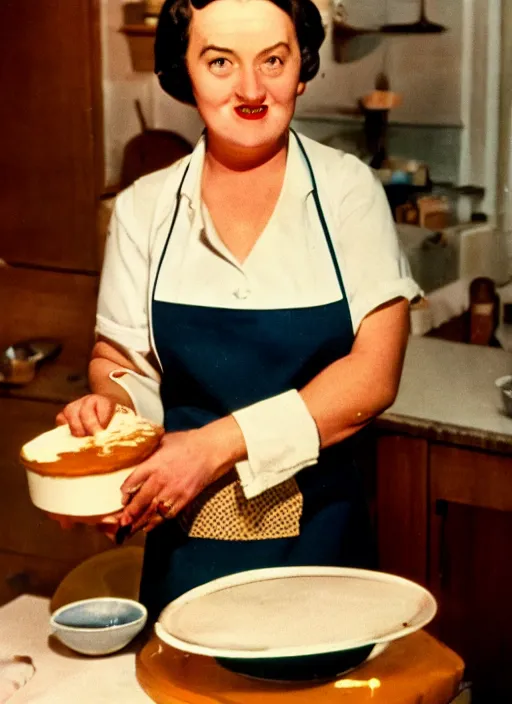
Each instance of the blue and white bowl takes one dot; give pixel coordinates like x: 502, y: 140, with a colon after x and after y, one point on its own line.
x: 98, y: 626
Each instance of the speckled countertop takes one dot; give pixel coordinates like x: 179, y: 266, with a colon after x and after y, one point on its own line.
x: 447, y: 394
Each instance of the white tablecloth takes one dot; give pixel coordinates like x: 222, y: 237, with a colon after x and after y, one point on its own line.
x: 63, y: 677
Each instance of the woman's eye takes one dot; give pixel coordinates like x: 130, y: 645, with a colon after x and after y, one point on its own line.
x: 274, y: 61
x: 272, y: 66
x: 219, y: 65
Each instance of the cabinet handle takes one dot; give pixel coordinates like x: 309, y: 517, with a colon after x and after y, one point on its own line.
x: 444, y: 564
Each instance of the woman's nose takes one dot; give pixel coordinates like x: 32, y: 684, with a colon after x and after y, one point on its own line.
x: 250, y: 88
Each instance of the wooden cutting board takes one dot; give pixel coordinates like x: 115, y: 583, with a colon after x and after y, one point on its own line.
x: 415, y: 668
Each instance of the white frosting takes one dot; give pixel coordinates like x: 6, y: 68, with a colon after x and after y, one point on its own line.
x: 125, y: 429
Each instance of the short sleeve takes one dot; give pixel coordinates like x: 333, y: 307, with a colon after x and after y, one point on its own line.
x: 122, y: 314
x: 374, y: 267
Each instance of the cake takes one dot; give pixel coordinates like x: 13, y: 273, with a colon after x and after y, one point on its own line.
x: 82, y: 476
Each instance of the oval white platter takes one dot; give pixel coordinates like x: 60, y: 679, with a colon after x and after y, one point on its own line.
x: 294, y: 611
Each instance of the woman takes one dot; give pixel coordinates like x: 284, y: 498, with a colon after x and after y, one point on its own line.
x: 264, y: 275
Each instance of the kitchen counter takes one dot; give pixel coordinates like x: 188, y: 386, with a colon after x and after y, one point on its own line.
x: 62, y: 676
x: 447, y: 393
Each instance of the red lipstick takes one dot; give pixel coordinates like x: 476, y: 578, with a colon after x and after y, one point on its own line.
x: 248, y: 112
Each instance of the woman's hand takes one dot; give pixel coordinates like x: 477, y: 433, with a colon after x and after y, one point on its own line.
x: 87, y: 415
x: 184, y: 464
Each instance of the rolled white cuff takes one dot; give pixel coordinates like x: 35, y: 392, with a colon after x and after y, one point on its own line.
x: 144, y: 393
x: 281, y: 439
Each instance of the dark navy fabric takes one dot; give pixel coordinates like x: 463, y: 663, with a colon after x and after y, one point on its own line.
x: 217, y: 360
x: 224, y: 359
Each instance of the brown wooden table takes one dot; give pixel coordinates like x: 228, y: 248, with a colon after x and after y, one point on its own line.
x: 415, y: 669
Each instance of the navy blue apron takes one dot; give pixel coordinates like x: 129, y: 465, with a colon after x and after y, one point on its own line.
x: 218, y: 360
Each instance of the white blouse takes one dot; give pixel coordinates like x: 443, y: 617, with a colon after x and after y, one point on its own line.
x: 289, y: 267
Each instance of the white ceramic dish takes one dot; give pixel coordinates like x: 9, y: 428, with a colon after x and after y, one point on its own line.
x: 294, y: 612
x: 98, y: 626
x: 92, y: 495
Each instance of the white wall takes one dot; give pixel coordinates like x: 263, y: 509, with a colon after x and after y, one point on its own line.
x: 426, y: 70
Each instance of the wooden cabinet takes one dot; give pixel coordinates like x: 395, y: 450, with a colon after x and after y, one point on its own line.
x: 35, y: 553
x: 51, y: 121
x: 470, y: 571
x: 445, y: 520
x: 402, y: 505
x: 51, y: 161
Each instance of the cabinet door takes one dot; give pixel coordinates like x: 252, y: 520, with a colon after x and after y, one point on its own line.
x: 50, y: 159
x: 402, y: 505
x: 470, y: 566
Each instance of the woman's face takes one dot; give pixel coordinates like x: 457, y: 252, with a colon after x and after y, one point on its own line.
x: 244, y: 62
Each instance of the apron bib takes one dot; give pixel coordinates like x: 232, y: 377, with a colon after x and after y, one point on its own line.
x: 215, y: 361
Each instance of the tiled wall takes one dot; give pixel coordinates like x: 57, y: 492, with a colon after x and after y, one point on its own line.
x: 437, y: 146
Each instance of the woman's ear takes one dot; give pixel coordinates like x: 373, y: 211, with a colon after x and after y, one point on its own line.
x: 301, y: 88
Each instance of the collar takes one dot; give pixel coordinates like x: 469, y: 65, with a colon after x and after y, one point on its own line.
x: 297, y: 179
x: 191, y: 188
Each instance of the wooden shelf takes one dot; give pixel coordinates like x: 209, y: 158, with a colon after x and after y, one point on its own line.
x: 138, y: 30
x: 141, y: 39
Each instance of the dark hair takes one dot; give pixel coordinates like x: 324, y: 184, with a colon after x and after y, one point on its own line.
x: 171, y: 42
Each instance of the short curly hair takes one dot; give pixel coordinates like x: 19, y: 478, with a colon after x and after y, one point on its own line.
x: 171, y: 42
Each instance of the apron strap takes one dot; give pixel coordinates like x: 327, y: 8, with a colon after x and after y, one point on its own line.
x: 173, y: 221
x: 321, y: 216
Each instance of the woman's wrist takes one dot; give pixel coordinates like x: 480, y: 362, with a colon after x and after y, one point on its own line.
x: 226, y: 443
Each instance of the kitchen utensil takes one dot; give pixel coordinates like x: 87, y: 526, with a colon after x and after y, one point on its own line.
x: 98, y: 626
x: 375, y: 107
x: 382, y: 97
x: 294, y: 623
x: 19, y: 362
x: 422, y: 26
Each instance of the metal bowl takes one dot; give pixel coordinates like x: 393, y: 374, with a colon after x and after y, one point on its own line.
x: 19, y: 362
